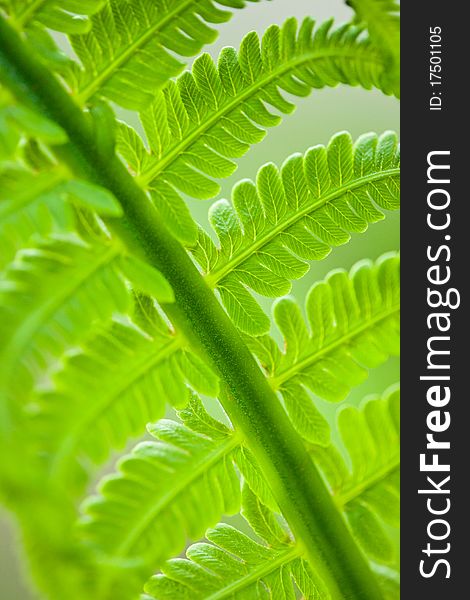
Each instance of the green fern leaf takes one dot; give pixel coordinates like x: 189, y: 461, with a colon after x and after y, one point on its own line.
x: 354, y: 326
x: 200, y: 459
x: 68, y: 16
x: 122, y: 379
x: 166, y: 491
x: 262, y: 519
x: 233, y: 565
x: 198, y: 124
x: 48, y: 303
x: 35, y: 125
x: 129, y: 52
x: 9, y: 135
x: 146, y: 279
x: 35, y: 204
x: 92, y: 197
x: 17, y: 123
x: 382, y: 18
x: 369, y: 492
x: 30, y: 207
x: 271, y: 229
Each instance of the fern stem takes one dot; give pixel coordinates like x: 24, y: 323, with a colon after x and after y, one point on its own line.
x: 251, y: 404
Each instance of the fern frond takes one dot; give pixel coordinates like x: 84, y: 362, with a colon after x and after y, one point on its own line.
x: 368, y: 489
x: 354, y: 324
x: 382, y: 18
x: 122, y: 379
x: 129, y: 52
x: 271, y: 229
x: 48, y: 297
x: 166, y: 491
x: 67, y: 16
x: 48, y: 302
x: 34, y: 205
x: 233, y: 565
x: 38, y: 196
x: 9, y: 136
x: 30, y: 206
x: 18, y: 122
x: 211, y: 115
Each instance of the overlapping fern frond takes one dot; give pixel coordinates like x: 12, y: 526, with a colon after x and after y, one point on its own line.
x: 367, y: 484
x: 299, y: 213
x: 166, y: 478
x: 354, y: 323
x: 234, y: 565
x: 91, y: 350
x: 213, y: 114
x: 48, y: 302
x: 131, y: 49
x: 382, y: 18
x: 68, y: 16
x: 35, y: 205
x: 121, y: 379
x: 166, y: 491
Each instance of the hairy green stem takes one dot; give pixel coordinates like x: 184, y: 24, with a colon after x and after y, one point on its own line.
x: 251, y: 404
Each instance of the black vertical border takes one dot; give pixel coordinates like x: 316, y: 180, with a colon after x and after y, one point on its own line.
x: 423, y: 131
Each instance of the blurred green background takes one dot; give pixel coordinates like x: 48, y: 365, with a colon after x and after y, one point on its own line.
x: 316, y: 119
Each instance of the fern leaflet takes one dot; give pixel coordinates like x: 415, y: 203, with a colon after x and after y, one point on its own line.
x: 235, y: 566
x: 129, y: 52
x: 271, y: 229
x: 68, y: 16
x: 354, y: 326
x: 195, y: 126
x: 47, y: 302
x: 382, y: 18
x: 166, y: 491
x: 152, y: 369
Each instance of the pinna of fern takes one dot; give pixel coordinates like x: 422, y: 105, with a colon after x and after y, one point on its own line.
x: 117, y: 528
x: 213, y: 114
x: 113, y: 40
x: 382, y: 18
x: 206, y: 463
x: 130, y: 392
